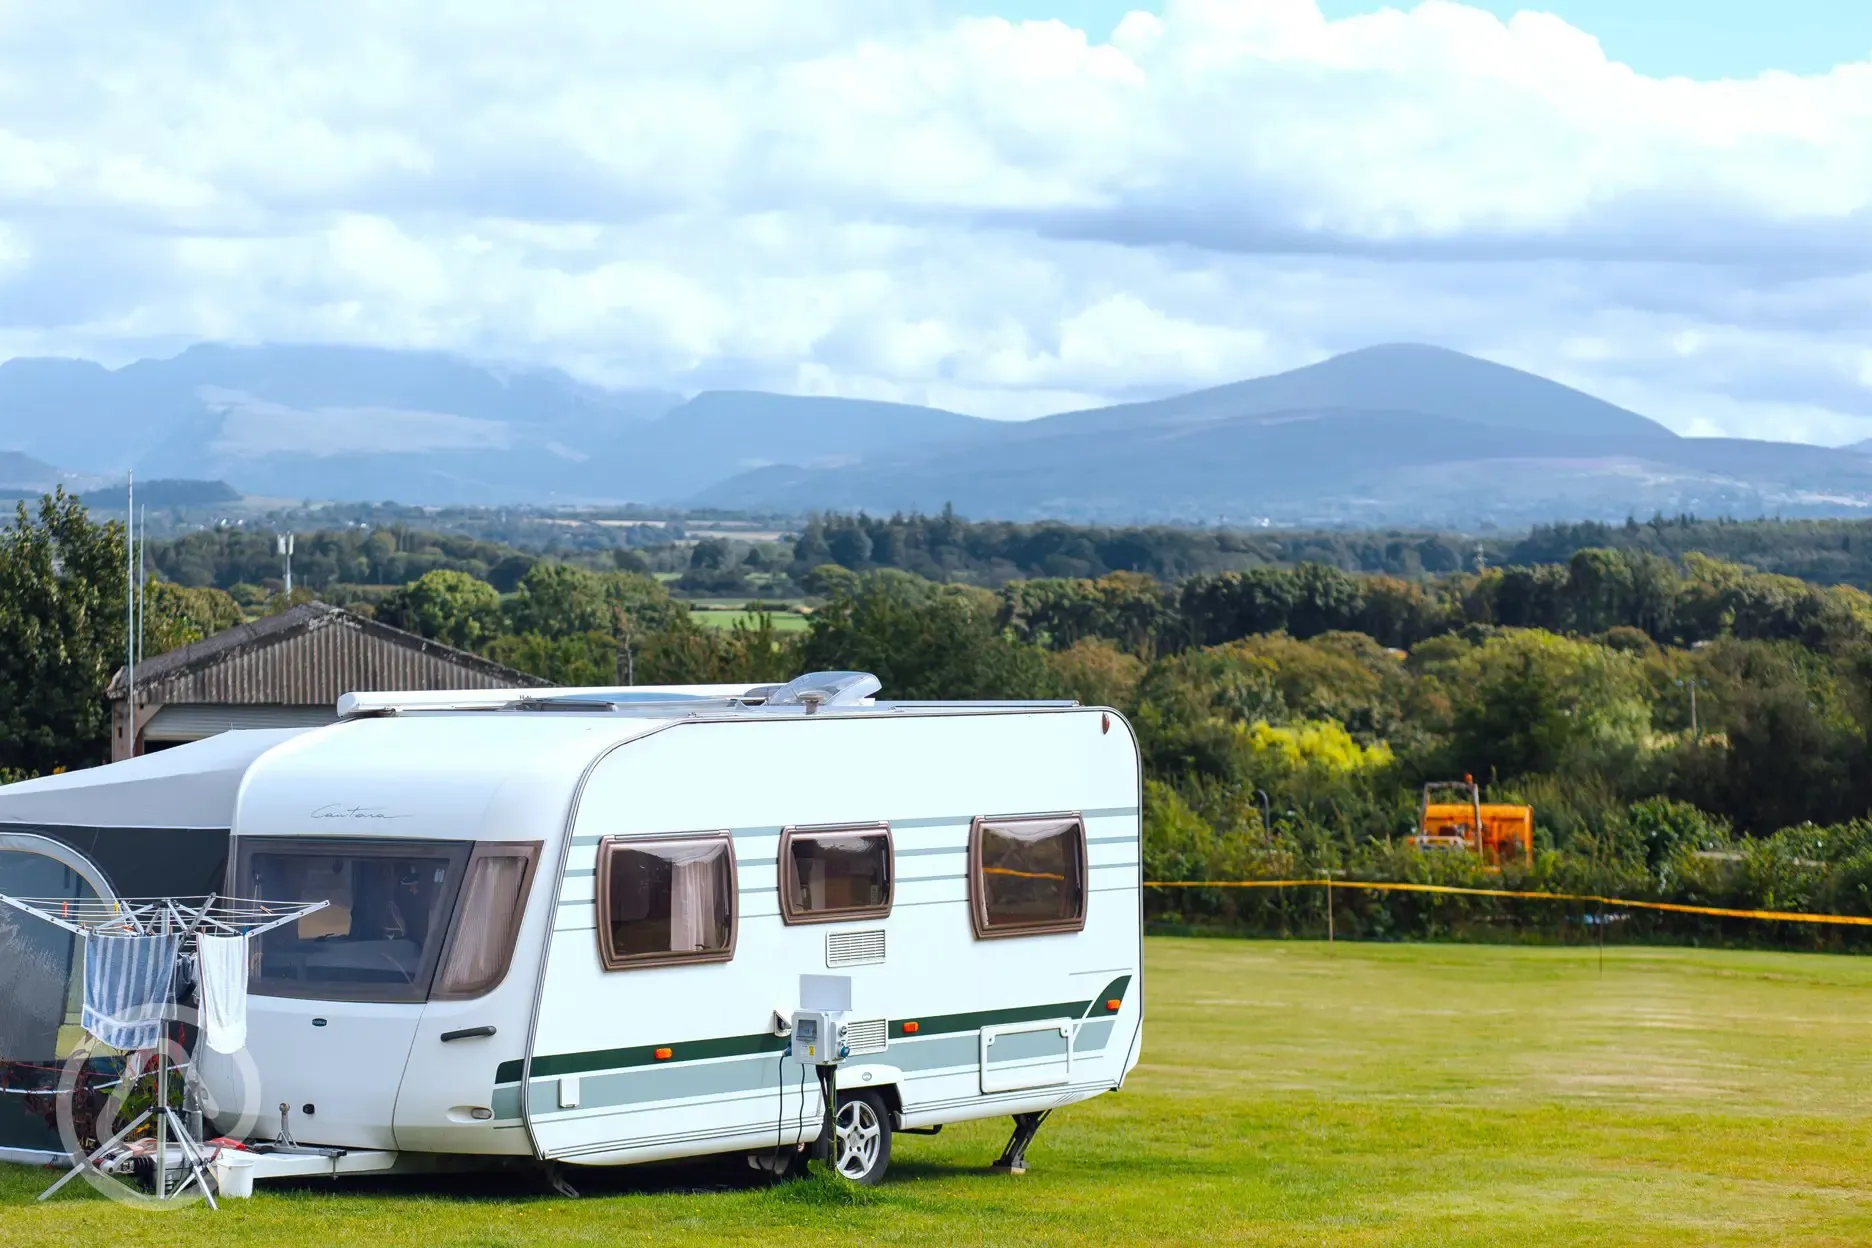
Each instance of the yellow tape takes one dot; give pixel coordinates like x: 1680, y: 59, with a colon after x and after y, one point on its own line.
x: 1785, y: 916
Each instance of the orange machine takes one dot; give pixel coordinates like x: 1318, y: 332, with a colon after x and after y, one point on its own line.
x: 1493, y: 831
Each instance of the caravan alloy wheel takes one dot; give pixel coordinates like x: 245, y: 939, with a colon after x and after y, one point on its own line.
x: 862, y: 1142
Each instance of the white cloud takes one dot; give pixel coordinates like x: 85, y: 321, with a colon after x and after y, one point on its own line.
x: 854, y: 197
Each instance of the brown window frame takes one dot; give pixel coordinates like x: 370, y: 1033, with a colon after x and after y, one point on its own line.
x: 789, y: 880
x: 978, y: 893
x: 530, y: 851
x: 601, y: 885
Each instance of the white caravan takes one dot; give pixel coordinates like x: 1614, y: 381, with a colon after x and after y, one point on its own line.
x: 573, y: 926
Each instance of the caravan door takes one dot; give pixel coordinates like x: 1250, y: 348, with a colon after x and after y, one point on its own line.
x: 474, y: 1027
x: 650, y: 1042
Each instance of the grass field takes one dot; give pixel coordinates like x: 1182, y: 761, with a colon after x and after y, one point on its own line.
x: 1290, y: 1094
x: 722, y: 617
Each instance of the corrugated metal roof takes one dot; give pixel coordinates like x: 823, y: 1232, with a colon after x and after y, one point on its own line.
x: 192, y: 721
x: 308, y: 656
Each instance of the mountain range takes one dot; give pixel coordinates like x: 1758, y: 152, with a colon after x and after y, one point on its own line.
x: 1389, y: 434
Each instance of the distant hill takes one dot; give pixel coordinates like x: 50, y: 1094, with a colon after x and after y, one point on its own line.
x: 1390, y: 434
x: 721, y: 433
x: 421, y: 427
x: 19, y: 469
x: 323, y: 422
x: 1395, y: 377
x: 162, y: 493
x: 1397, y: 433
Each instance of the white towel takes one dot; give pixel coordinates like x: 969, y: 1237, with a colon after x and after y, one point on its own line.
x: 221, y: 964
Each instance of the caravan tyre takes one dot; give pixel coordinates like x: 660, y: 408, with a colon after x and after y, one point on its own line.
x: 862, y: 1143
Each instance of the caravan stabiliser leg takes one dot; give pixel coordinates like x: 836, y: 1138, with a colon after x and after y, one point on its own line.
x: 1014, y: 1156
x: 555, y: 1177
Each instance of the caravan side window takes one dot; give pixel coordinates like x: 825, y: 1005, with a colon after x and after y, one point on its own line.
x: 1027, y: 876
x: 834, y: 873
x: 665, y: 900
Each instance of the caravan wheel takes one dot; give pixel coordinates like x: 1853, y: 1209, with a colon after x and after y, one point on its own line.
x: 863, y: 1139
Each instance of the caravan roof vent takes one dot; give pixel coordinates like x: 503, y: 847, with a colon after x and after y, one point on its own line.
x: 817, y: 689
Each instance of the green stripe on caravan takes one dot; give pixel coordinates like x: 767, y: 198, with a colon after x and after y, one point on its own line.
x: 555, y: 1064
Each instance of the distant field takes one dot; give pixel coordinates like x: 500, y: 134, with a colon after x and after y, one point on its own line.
x: 720, y: 617
x: 1290, y: 1094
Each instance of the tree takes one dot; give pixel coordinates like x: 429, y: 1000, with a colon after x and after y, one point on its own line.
x: 558, y: 600
x: 1326, y: 600
x: 712, y: 554
x: 1125, y: 607
x: 1192, y: 706
x: 1528, y: 701
x: 450, y: 607
x: 922, y: 640
x: 178, y: 615
x: 62, y: 631
x: 584, y: 659
x: 1237, y: 604
x: 1095, y: 672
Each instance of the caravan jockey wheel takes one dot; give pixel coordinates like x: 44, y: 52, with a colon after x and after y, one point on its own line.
x: 862, y: 1140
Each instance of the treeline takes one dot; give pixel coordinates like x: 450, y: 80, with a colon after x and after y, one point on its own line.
x: 990, y: 553
x: 947, y: 548
x: 1692, y: 731
x: 1630, y: 597
x: 247, y: 563
x: 1822, y: 551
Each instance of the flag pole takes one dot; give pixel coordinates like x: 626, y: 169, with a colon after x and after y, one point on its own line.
x: 130, y: 620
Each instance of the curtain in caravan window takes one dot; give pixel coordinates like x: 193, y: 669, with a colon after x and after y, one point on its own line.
x: 692, y: 906
x: 487, y: 922
x: 665, y: 901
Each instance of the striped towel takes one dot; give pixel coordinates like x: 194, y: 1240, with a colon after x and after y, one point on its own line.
x: 126, y: 988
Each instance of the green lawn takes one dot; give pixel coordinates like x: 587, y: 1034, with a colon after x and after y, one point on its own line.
x: 1290, y: 1094
x: 717, y: 617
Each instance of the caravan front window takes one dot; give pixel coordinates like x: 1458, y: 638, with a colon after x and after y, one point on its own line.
x: 666, y: 900
x: 487, y: 923
x: 381, y: 936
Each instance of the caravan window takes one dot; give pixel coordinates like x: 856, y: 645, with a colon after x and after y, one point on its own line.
x: 666, y: 900
x: 380, y: 937
x: 487, y: 923
x: 1027, y: 876
x: 835, y: 873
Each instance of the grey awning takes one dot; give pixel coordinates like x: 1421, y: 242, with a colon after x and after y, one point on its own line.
x: 188, y: 786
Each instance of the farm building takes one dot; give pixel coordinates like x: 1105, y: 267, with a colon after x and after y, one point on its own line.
x: 284, y: 671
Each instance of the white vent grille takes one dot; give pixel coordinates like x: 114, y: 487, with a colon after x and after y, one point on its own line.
x: 854, y: 948
x: 869, y: 1036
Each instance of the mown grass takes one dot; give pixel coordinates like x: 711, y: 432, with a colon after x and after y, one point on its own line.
x: 718, y: 617
x: 1290, y: 1094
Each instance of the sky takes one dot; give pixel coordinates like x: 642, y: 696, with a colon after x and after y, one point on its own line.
x: 1693, y: 38
x: 1007, y: 207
